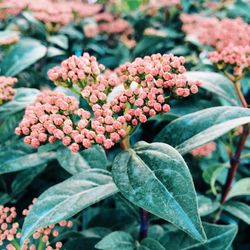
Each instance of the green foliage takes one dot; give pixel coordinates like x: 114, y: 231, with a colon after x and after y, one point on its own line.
x: 193, y: 130
x: 156, y: 178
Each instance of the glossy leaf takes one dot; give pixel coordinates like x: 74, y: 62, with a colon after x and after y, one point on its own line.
x: 206, y: 205
x: 22, y: 98
x: 156, y: 178
x: 239, y: 210
x: 21, y: 56
x: 216, y: 84
x: 242, y: 187
x: 218, y: 237
x: 68, y: 198
x: 93, y: 157
x: 150, y: 244
x: 116, y: 240
x: 193, y: 130
x: 22, y: 162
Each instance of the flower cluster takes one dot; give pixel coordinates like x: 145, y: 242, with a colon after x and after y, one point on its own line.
x: 119, y: 100
x: 106, y: 23
x: 204, y: 150
x: 45, y: 120
x: 6, y: 88
x: 79, y: 70
x: 54, y: 14
x: 229, y: 37
x: 235, y: 59
x: 10, y: 232
x: 10, y: 39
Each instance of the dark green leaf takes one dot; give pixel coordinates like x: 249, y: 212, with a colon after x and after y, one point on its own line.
x: 150, y: 244
x: 239, y: 210
x: 195, y: 129
x: 216, y: 84
x: 116, y: 240
x: 66, y: 199
x: 219, y: 237
x: 156, y: 178
x: 21, y: 56
x: 206, y: 205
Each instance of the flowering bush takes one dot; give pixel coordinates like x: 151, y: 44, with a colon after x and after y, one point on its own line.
x: 128, y: 120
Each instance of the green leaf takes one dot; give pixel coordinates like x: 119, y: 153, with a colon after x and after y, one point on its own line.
x: 206, y: 205
x: 242, y: 187
x: 116, y: 240
x: 67, y: 198
x: 21, y: 56
x: 193, y: 130
x: 6, y: 34
x: 218, y: 237
x: 156, y: 178
x: 24, y: 179
x: 22, y: 98
x: 150, y: 244
x: 9, y: 124
x: 239, y: 210
x: 216, y: 84
x: 211, y: 174
x: 21, y: 162
x: 93, y: 157
x: 59, y: 40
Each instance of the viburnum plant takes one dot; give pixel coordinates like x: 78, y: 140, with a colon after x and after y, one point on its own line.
x: 129, y: 123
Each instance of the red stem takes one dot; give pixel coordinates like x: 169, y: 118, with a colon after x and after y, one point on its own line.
x: 144, y: 224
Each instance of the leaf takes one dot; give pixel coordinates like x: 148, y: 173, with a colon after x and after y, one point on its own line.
x: 218, y: 237
x: 59, y: 40
x: 211, y: 174
x: 156, y: 178
x: 22, y: 98
x: 148, y: 45
x: 67, y: 198
x: 76, y: 162
x: 150, y: 244
x: 7, y: 34
x: 193, y: 130
x: 216, y: 84
x: 21, y: 162
x: 242, y: 187
x: 239, y: 210
x: 206, y: 205
x: 116, y: 240
x: 9, y: 124
x: 24, y: 179
x: 21, y: 56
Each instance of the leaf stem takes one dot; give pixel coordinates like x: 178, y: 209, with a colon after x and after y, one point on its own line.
x: 144, y: 224
x: 125, y: 143
x: 235, y: 158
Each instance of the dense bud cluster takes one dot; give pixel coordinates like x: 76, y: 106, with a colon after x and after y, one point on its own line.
x: 235, y: 57
x: 119, y: 100
x: 204, y: 150
x: 229, y: 37
x: 10, y: 232
x: 6, y: 88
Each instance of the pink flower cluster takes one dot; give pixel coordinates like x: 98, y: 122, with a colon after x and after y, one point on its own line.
x: 79, y: 70
x: 204, y: 150
x: 6, y: 88
x: 107, y: 23
x: 8, y: 228
x: 119, y: 100
x: 215, y: 32
x: 229, y: 37
x: 59, y: 13
x: 10, y: 232
x: 44, y: 120
x: 235, y: 57
x: 9, y: 39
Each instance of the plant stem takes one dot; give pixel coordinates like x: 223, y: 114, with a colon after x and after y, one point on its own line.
x: 144, y: 224
x: 234, y: 162
x: 125, y: 143
x: 235, y: 158
x: 237, y: 86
